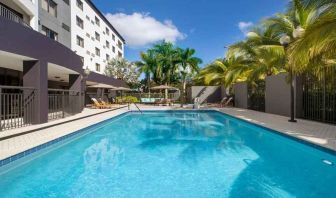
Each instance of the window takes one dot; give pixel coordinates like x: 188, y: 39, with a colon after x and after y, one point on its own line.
x: 87, y: 17
x: 107, y: 44
x: 113, y: 37
x: 66, y: 27
x: 80, y: 41
x: 97, y: 67
x: 107, y: 57
x: 97, y: 52
x: 49, y: 33
x: 66, y: 1
x: 88, y: 35
x: 97, y: 36
x: 97, y: 21
x: 82, y: 59
x: 79, y: 22
x: 50, y: 6
x: 107, y: 31
x: 79, y: 4
x: 119, y: 44
x: 113, y: 49
x: 120, y: 54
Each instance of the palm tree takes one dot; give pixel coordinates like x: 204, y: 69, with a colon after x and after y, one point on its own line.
x: 223, y: 71
x: 188, y: 64
x: 258, y: 56
x: 167, y: 58
x: 148, y: 66
x: 311, y: 26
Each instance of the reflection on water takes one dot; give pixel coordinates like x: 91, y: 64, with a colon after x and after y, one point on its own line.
x: 176, y: 154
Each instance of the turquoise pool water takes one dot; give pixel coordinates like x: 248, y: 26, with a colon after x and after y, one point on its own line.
x: 176, y: 154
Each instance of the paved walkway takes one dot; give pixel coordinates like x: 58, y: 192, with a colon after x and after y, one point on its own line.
x: 14, y: 145
x: 314, y: 132
x: 317, y: 133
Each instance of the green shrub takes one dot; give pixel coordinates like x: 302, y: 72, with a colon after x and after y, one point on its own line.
x: 127, y: 99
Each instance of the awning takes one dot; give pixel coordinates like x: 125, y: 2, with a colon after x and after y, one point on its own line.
x: 121, y: 89
x: 102, y: 86
x: 164, y: 87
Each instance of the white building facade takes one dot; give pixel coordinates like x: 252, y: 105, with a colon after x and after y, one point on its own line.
x: 93, y: 38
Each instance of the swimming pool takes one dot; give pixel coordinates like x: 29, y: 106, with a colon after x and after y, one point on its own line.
x: 175, y: 154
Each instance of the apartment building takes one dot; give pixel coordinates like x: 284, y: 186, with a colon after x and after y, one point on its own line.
x: 93, y: 37
x: 41, y: 76
x: 55, y: 20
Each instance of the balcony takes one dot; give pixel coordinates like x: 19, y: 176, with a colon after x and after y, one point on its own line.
x: 11, y: 15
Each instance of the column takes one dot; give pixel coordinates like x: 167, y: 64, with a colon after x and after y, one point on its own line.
x: 76, y: 90
x: 35, y: 74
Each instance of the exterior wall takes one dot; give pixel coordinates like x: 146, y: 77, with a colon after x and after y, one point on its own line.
x: 206, y: 94
x: 241, y: 95
x: 277, y: 95
x: 56, y: 24
x: 28, y: 9
x: 18, y: 39
x: 88, y: 15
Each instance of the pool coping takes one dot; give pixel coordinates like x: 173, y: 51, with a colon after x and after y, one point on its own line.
x: 25, y: 153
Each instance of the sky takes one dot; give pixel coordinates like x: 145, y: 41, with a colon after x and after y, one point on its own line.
x: 205, y: 25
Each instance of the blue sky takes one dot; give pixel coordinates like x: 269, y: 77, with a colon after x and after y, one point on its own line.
x: 205, y: 25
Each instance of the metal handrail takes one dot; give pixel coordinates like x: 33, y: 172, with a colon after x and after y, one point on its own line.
x: 10, y: 15
x: 135, y: 106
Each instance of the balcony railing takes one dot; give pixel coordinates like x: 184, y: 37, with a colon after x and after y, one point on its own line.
x: 10, y: 15
x: 17, y: 107
x: 63, y: 103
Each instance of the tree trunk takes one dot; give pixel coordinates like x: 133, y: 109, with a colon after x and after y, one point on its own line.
x: 183, y: 96
x: 148, y: 86
x: 166, y: 91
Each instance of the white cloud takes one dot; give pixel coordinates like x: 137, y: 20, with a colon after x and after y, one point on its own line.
x: 140, y: 29
x: 244, y: 26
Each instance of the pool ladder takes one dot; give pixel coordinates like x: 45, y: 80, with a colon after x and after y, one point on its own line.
x: 129, y: 104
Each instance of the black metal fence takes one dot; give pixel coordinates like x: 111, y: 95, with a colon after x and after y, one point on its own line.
x: 17, y: 107
x: 256, y: 96
x: 319, y: 95
x: 63, y: 103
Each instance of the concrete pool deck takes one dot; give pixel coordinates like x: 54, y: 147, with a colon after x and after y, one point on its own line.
x: 314, y: 132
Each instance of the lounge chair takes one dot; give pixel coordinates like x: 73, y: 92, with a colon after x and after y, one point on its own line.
x: 101, y: 101
x: 98, y: 105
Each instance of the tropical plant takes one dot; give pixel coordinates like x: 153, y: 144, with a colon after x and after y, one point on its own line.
x: 127, y: 99
x: 311, y: 26
x: 167, y: 58
x: 188, y: 65
x: 148, y: 66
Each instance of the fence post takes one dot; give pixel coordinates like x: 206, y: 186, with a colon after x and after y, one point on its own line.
x: 63, y: 106
x: 324, y: 95
x: 0, y: 109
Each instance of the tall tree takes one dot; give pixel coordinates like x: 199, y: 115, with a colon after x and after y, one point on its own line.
x: 148, y: 65
x: 311, y: 26
x: 122, y: 69
x: 167, y: 59
x: 188, y: 64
